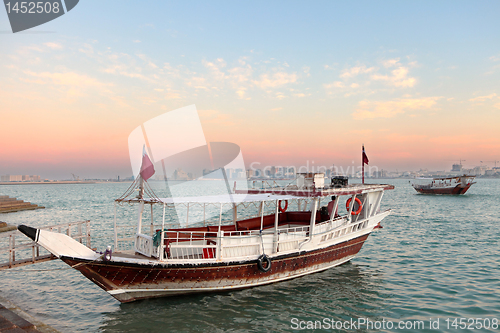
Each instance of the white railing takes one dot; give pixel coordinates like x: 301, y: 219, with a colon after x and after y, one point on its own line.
x: 144, y: 245
x: 201, y: 245
x: 343, y: 229
x: 17, y: 250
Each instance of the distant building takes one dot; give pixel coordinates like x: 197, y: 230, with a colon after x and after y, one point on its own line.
x: 490, y: 172
x: 250, y: 173
x: 273, y: 172
x: 20, y: 178
x: 180, y: 174
x: 380, y: 174
x: 479, y: 170
x: 456, y: 167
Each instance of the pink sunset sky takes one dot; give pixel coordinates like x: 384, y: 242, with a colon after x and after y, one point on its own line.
x: 416, y: 96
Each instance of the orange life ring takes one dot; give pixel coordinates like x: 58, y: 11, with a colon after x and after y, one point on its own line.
x: 286, y: 206
x: 348, y: 203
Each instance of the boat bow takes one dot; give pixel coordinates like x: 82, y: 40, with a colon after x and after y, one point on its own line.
x: 58, y: 244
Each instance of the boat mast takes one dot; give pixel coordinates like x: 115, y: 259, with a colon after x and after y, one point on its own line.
x: 141, y: 205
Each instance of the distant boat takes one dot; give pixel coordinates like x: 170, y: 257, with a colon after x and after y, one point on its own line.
x: 448, y: 185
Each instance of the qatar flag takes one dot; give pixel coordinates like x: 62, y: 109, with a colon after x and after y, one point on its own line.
x: 147, y: 168
x: 365, y: 158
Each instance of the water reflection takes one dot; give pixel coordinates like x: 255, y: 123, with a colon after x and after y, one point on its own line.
x: 342, y: 292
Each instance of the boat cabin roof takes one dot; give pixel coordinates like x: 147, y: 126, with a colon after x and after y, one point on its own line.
x: 329, y: 190
x: 445, y: 178
x: 267, y: 194
x: 214, y: 199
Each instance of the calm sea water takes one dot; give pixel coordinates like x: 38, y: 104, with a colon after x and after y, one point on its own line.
x: 437, y: 257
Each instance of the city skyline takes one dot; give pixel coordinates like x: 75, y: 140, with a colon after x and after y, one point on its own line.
x: 280, y: 172
x: 290, y: 83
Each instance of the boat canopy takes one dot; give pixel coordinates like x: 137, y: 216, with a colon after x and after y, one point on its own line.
x: 262, y: 194
x: 444, y: 178
x: 218, y: 199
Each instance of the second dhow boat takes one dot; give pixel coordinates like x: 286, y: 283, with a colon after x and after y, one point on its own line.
x: 261, y: 236
x: 447, y: 185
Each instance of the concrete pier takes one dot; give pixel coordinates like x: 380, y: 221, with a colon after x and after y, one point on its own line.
x: 8, y: 205
x: 15, y: 320
x: 11, y: 322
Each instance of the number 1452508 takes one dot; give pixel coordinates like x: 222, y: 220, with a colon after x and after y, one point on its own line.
x: 472, y: 323
x: 25, y: 7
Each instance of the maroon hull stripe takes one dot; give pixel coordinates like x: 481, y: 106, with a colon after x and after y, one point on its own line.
x: 113, y: 276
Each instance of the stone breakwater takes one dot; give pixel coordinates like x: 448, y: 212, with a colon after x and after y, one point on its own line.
x: 8, y: 204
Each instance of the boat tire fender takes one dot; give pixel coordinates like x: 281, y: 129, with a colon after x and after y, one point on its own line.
x: 260, y: 263
x: 360, y: 206
x: 283, y: 209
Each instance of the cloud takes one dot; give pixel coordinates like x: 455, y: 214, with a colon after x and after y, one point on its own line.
x: 483, y: 98
x: 215, y: 68
x: 306, y: 70
x: 124, y: 71
x: 87, y: 49
x: 241, y: 93
x: 216, y: 117
x: 280, y: 95
x: 354, y: 71
x: 53, y: 46
x: 336, y: 84
x: 236, y: 78
x: 390, y: 62
x: 238, y: 75
x: 132, y: 66
x: 147, y: 61
x: 389, y: 109
x: 276, y: 109
x: 301, y: 95
x: 399, y: 78
x: 67, y: 79
x: 456, y: 140
x: 198, y: 83
x: 275, y: 80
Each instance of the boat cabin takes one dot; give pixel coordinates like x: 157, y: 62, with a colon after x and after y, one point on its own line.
x: 244, y: 225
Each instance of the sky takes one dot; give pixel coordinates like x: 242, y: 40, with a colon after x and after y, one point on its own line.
x: 290, y: 82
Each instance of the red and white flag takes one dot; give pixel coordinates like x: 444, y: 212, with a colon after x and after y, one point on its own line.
x: 365, y: 158
x: 147, y: 168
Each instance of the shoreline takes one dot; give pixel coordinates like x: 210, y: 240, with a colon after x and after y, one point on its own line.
x: 60, y: 182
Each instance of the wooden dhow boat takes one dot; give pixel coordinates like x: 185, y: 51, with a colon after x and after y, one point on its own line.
x: 446, y: 185
x: 260, y: 236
